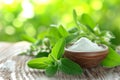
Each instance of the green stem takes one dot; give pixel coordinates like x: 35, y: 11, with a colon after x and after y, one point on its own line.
x: 53, y: 57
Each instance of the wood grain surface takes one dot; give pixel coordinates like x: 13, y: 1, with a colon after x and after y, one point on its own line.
x: 13, y: 67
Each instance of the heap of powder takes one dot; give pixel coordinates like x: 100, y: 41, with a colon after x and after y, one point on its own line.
x: 85, y: 45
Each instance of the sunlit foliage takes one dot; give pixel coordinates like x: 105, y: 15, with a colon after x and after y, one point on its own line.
x: 31, y: 17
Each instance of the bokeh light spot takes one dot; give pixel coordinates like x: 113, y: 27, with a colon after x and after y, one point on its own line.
x: 17, y: 23
x: 28, y: 11
x: 43, y: 1
x: 30, y: 30
x: 66, y: 18
x: 96, y: 4
x: 8, y: 1
x: 10, y: 30
x: 9, y: 17
x: 79, y: 9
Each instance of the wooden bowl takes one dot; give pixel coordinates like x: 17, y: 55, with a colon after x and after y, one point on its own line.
x: 87, y: 59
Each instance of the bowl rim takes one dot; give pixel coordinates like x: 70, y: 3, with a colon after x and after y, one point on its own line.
x: 105, y: 48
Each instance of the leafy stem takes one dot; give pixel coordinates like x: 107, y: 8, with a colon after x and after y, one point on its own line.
x: 53, y: 58
x: 56, y: 62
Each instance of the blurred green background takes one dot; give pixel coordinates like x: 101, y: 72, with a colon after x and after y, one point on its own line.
x: 32, y: 17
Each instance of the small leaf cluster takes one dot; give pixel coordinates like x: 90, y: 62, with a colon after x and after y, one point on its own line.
x: 49, y: 46
x: 55, y: 62
x: 45, y: 41
x: 89, y: 29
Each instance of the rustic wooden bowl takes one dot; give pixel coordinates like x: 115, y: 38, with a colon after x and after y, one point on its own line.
x: 87, y: 59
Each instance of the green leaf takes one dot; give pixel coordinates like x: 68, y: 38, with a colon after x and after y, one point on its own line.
x: 51, y: 70
x: 71, y: 38
x: 42, y: 54
x: 28, y: 38
x: 52, y: 40
x: 42, y: 35
x: 58, y: 49
x: 53, y: 35
x: 97, y: 30
x: 86, y: 28
x: 46, y: 42
x: 112, y: 59
x: 73, y: 30
x: 69, y: 67
x: 76, y: 19
x: 39, y: 63
x: 54, y: 32
x: 89, y: 25
x: 38, y: 42
x: 63, y: 31
x: 75, y: 16
x: 88, y: 21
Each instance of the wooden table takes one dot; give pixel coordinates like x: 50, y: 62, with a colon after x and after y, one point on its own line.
x: 13, y: 67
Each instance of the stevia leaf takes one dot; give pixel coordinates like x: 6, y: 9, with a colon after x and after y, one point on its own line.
x: 75, y: 16
x: 52, y: 39
x: 73, y: 30
x: 88, y: 21
x: 112, y: 59
x: 97, y: 30
x: 71, y: 38
x: 76, y: 19
x: 42, y: 35
x: 42, y: 54
x: 51, y: 70
x: 39, y: 63
x: 86, y: 28
x: 28, y: 38
x: 38, y: 42
x: 53, y: 35
x: 63, y: 31
x: 54, y: 32
x: 69, y: 67
x: 58, y: 49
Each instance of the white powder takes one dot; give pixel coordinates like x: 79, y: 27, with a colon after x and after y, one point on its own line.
x: 9, y: 65
x: 85, y: 45
x: 1, y: 78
